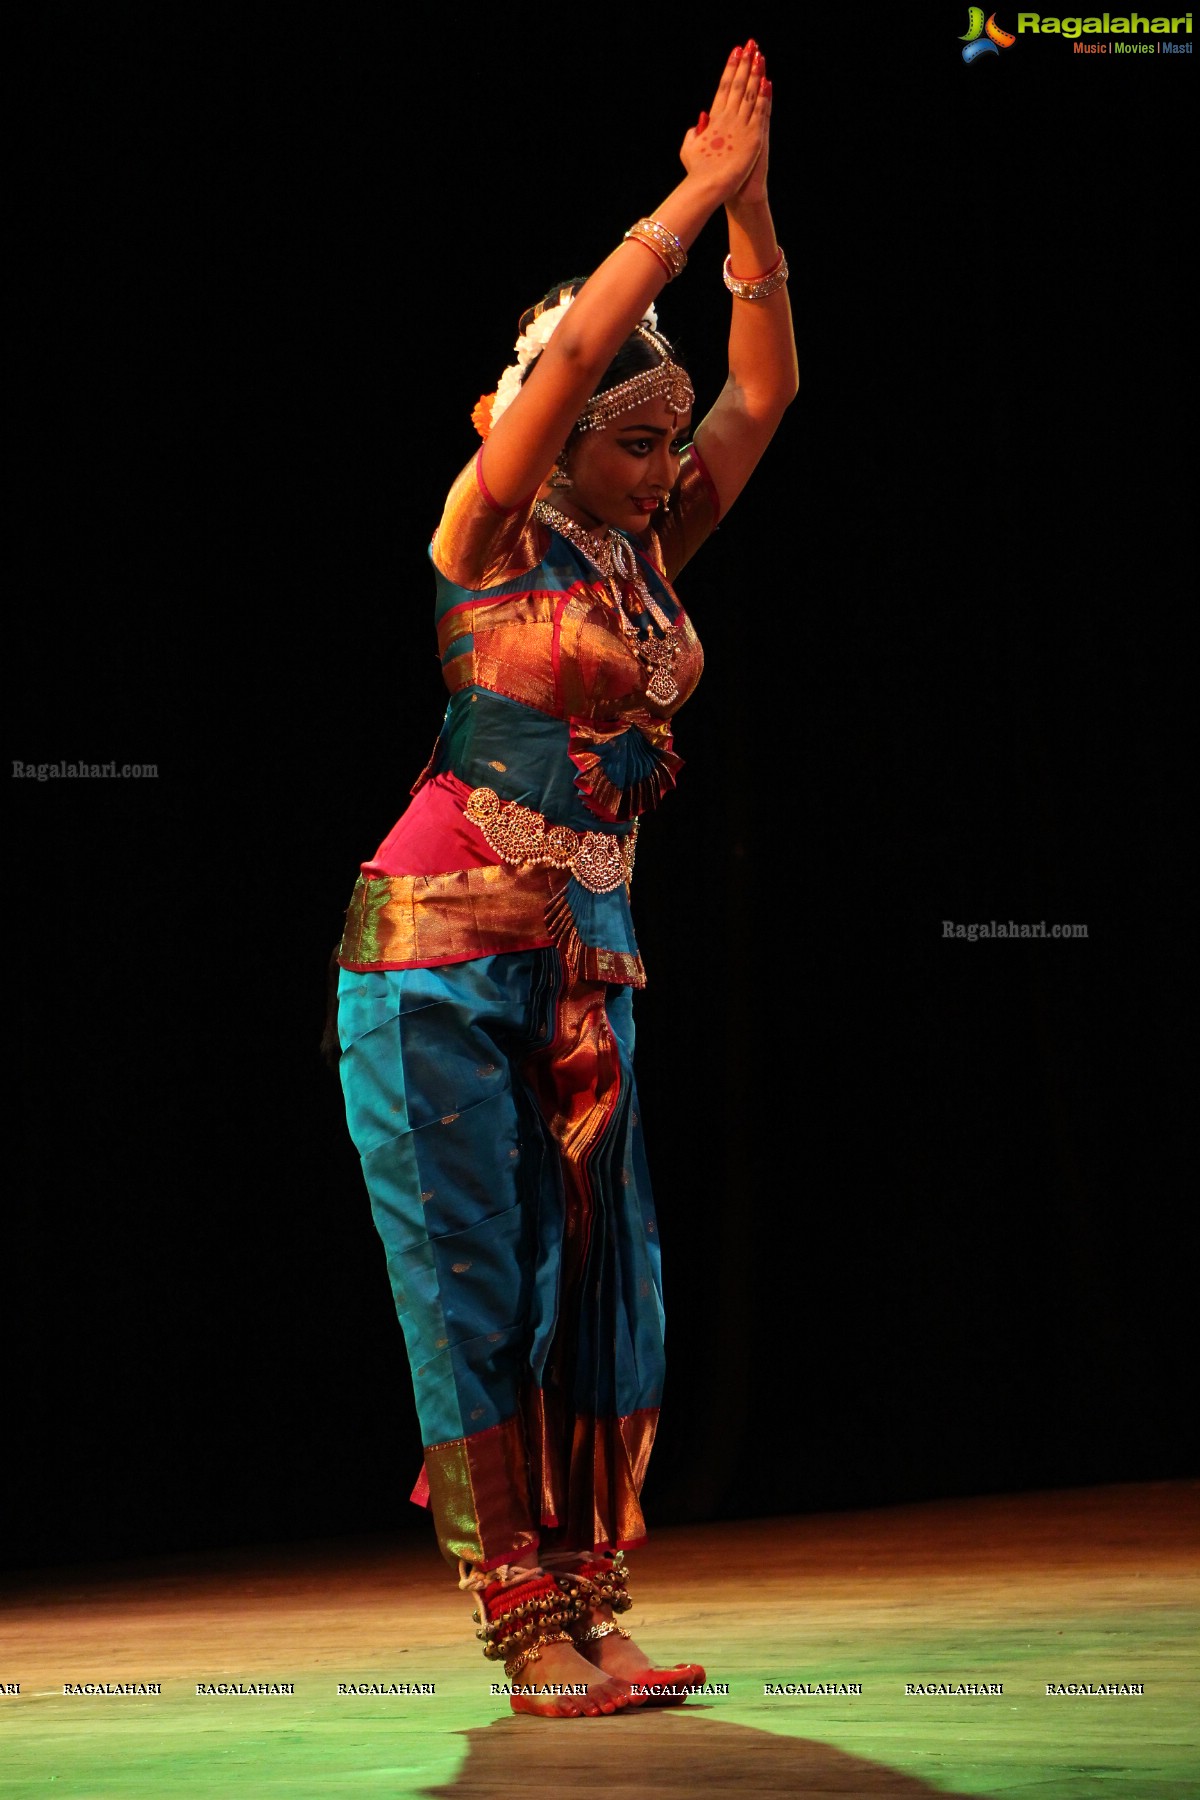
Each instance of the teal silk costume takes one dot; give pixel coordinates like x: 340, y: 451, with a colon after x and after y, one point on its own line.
x: 485, y: 1018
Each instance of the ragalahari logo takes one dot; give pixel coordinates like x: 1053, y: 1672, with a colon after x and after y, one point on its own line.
x: 982, y: 39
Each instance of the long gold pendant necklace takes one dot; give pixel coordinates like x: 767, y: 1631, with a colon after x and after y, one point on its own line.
x: 614, y: 559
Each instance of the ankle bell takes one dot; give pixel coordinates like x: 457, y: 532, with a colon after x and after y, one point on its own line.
x: 513, y: 1616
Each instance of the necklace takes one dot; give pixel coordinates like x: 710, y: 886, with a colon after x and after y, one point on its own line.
x: 614, y: 559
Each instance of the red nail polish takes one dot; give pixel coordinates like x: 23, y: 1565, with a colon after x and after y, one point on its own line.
x: 735, y: 53
x: 768, y: 89
x: 702, y: 122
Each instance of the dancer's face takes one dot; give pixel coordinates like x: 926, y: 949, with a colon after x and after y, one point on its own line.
x: 620, y: 473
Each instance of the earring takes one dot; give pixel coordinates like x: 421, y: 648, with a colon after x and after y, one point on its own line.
x: 559, y: 477
x: 665, y: 503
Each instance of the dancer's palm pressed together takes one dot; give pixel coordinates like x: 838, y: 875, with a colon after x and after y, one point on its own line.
x: 729, y: 141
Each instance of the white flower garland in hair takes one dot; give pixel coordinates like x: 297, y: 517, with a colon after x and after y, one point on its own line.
x: 530, y: 344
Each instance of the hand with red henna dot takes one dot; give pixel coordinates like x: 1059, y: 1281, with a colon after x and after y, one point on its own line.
x: 732, y: 135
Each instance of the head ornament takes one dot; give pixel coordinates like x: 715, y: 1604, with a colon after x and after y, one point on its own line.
x: 664, y: 380
x: 665, y: 377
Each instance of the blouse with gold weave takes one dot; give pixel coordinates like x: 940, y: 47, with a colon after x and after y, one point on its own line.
x: 521, y: 829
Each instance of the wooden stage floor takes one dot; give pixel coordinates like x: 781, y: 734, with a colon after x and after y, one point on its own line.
x: 1095, y: 1588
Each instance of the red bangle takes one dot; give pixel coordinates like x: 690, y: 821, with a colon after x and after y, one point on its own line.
x: 765, y: 276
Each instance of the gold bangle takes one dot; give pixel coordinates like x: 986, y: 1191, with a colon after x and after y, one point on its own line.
x: 665, y: 245
x: 636, y: 237
x: 761, y: 286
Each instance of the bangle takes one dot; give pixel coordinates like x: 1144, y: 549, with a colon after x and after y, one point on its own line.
x: 758, y: 287
x: 766, y: 274
x: 654, y: 251
x: 665, y: 245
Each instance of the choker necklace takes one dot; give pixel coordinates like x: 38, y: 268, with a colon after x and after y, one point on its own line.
x: 615, y: 560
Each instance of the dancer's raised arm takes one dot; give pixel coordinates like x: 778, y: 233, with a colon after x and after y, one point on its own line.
x: 529, y: 434
x: 763, y: 377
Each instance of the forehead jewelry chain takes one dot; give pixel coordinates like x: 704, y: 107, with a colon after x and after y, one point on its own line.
x: 614, y: 558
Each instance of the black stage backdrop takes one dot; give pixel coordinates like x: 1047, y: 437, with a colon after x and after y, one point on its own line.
x: 921, y: 1197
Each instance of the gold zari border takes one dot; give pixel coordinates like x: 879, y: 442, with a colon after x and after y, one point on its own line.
x: 421, y: 921
x: 494, y: 1493
x: 404, y: 921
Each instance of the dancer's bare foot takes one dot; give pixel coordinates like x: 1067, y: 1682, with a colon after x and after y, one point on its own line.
x: 620, y: 1657
x: 561, y: 1667
x: 614, y: 1653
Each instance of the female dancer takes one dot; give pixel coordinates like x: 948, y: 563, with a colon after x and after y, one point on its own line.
x: 488, y: 959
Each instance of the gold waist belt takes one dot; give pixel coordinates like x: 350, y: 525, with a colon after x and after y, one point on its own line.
x: 599, y: 860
